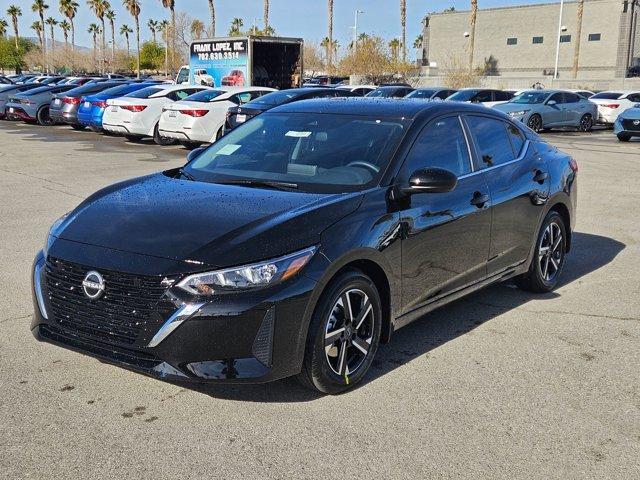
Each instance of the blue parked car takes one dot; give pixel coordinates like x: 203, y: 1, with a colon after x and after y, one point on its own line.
x: 91, y: 108
x: 627, y: 124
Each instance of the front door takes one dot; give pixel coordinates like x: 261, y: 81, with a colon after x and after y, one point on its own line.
x: 445, y: 235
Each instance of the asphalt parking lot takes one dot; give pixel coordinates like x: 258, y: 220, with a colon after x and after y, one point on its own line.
x: 502, y: 384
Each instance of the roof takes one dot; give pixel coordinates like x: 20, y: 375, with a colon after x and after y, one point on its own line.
x: 381, y: 107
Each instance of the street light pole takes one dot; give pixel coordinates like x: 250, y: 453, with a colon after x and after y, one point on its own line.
x: 555, y: 71
x: 355, y: 30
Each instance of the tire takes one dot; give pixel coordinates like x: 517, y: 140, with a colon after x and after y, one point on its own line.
x: 623, y: 137
x: 586, y: 123
x: 340, y: 364
x: 540, y: 278
x: 78, y: 127
x: 535, y: 123
x: 160, y: 140
x: 43, y: 117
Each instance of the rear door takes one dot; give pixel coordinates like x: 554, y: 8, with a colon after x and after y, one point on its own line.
x: 554, y: 114
x: 518, y: 182
x: 573, y: 109
x: 446, y: 235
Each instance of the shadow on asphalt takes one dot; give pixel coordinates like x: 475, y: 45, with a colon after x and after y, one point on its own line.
x: 588, y: 254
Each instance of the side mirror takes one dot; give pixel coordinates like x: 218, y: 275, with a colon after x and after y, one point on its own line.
x: 195, y: 153
x: 551, y: 103
x: 430, y: 180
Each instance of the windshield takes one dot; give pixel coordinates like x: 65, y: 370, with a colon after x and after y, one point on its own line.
x: 277, y: 98
x: 463, y: 95
x: 317, y: 152
x: 145, y: 92
x: 381, y: 92
x: 530, y: 98
x: 607, y: 95
x: 119, y: 90
x: 204, y: 96
x: 421, y: 94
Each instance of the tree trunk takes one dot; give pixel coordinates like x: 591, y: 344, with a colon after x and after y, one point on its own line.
x: 15, y: 31
x: 173, y: 39
x: 138, y: 45
x: 113, y: 45
x: 403, y: 21
x: 472, y: 36
x: 44, y: 42
x: 73, y: 36
x: 103, y: 52
x: 576, y: 49
x: 266, y: 15
x: 212, y: 9
x: 329, y: 56
x: 128, y: 49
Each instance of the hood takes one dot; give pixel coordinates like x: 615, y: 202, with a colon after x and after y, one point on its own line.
x: 513, y: 107
x: 216, y: 225
x: 631, y: 114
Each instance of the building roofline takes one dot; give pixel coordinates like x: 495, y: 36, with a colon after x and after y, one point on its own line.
x: 516, y: 7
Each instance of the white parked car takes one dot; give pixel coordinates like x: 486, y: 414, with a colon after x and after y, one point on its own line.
x: 613, y: 102
x: 137, y: 114
x: 200, y: 118
x: 486, y: 96
x: 202, y: 77
x: 359, y: 90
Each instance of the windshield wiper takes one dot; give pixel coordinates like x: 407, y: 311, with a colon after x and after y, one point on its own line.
x: 186, y: 174
x: 261, y: 183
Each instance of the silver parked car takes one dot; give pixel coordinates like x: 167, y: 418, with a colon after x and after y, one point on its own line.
x: 32, y: 106
x: 546, y: 109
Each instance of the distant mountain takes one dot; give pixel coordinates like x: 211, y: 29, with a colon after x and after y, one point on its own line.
x: 59, y: 43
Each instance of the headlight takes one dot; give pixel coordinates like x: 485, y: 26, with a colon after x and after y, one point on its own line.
x: 52, y: 233
x: 247, y: 277
x: 519, y: 113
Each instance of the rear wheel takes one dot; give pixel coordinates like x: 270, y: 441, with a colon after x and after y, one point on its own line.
x: 535, y: 122
x: 623, y: 137
x: 160, y: 140
x: 549, y: 257
x: 43, y: 117
x: 343, y: 335
x: 586, y: 123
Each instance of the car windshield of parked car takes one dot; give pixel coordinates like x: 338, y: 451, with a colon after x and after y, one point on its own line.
x: 530, y: 98
x: 463, y: 95
x: 312, y: 152
x: 381, y: 92
x: 276, y: 98
x: 607, y: 96
x: 145, y: 92
x: 421, y: 94
x: 204, y: 96
x: 117, y: 91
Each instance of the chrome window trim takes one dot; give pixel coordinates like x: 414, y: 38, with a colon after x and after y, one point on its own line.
x: 523, y: 154
x: 466, y: 139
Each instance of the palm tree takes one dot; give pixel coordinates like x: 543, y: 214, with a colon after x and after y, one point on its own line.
x: 52, y: 22
x: 417, y: 43
x: 472, y: 35
x: 153, y: 26
x: 265, y: 15
x: 37, y: 27
x: 330, y: 37
x: 69, y: 8
x: 65, y: 27
x: 39, y: 7
x: 99, y: 8
x: 403, y: 24
x: 163, y: 26
x: 94, y: 30
x: 395, y: 45
x: 576, y: 49
x: 3, y: 27
x: 212, y: 9
x: 125, y: 31
x: 197, y: 29
x: 111, y: 16
x: 236, y: 27
x: 171, y: 5
x: 14, y: 12
x: 133, y: 7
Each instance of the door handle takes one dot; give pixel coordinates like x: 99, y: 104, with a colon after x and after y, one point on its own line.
x: 540, y: 176
x: 479, y: 199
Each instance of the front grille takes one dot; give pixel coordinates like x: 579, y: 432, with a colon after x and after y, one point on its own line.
x: 629, y: 125
x: 119, y: 315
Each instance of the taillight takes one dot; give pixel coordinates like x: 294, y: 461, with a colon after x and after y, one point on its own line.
x: 611, y: 105
x: 195, y: 113
x: 573, y: 165
x: 71, y: 100
x: 99, y: 103
x: 134, y: 108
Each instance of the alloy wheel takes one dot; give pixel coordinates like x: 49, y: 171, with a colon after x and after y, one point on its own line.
x: 535, y: 123
x: 550, y: 252
x: 349, y: 332
x: 586, y: 122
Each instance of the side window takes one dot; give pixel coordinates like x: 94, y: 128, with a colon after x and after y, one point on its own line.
x: 242, y: 98
x: 492, y: 140
x: 634, y: 97
x: 442, y: 94
x: 571, y: 98
x: 441, y: 144
x: 483, y: 96
x: 503, y: 96
x: 517, y: 139
x: 557, y: 97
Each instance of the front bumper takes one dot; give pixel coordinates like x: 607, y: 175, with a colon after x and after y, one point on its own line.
x: 15, y: 112
x: 627, y: 126
x: 256, y: 338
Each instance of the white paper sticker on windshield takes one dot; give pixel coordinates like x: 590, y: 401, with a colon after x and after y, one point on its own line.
x: 228, y: 149
x: 294, y: 134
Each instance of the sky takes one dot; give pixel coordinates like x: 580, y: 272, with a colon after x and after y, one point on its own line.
x: 295, y: 18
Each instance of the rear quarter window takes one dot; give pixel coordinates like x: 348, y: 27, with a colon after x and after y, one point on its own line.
x: 492, y: 141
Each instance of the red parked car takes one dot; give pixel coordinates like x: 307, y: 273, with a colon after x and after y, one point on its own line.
x: 234, y: 79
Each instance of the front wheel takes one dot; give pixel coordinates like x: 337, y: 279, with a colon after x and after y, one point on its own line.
x: 549, y: 256
x: 535, y: 122
x: 623, y: 137
x: 586, y: 123
x: 343, y: 335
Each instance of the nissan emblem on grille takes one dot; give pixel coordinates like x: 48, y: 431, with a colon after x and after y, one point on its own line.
x: 636, y: 122
x: 93, y: 285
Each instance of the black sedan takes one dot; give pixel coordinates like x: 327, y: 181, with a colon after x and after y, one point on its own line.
x: 240, y: 114
x: 300, y: 241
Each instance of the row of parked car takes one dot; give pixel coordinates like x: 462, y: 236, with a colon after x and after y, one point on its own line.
x: 197, y: 114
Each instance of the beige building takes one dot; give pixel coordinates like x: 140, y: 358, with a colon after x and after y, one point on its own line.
x: 521, y: 41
